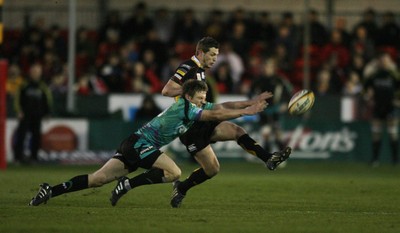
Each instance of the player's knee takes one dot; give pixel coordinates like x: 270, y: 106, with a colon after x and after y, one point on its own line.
x: 239, y: 131
x: 176, y: 174
x: 172, y: 174
x: 212, y: 170
x: 97, y: 180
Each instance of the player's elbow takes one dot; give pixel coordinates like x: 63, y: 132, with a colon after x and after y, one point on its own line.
x: 165, y: 92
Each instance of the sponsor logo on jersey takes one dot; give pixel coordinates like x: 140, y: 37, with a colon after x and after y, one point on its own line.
x: 182, y: 129
x: 192, y: 147
x: 146, y: 150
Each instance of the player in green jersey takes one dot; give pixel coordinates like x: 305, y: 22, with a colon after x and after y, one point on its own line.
x: 142, y: 148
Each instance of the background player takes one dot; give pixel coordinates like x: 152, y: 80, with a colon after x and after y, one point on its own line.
x: 382, y: 92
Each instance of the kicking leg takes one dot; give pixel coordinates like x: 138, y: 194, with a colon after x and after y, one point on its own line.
x: 229, y: 131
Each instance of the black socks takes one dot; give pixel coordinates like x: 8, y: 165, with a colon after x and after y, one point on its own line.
x: 152, y: 176
x: 197, y: 177
x: 252, y: 147
x: 75, y: 184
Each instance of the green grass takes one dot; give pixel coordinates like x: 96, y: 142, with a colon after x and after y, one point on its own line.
x: 244, y: 197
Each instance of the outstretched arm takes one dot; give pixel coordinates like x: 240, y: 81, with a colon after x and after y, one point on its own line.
x: 221, y: 114
x: 245, y: 103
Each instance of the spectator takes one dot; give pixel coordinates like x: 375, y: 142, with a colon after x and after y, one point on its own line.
x: 340, y: 26
x: 287, y: 20
x: 285, y: 39
x: 318, y: 32
x: 111, y: 73
x: 152, y: 44
x: 235, y: 63
x: 335, y: 52
x: 284, y: 64
x: 362, y: 45
x: 215, y: 26
x: 111, y: 24
x: 186, y: 28
x: 389, y: 33
x: 239, y: 40
x: 129, y: 52
x: 85, y: 52
x: 32, y: 45
x: 142, y: 80
x: 85, y: 46
x: 369, y: 23
x: 51, y: 65
x: 323, y: 82
x: 169, y: 68
x: 59, y: 84
x: 14, y: 79
x: 83, y: 87
x: 240, y: 16
x: 58, y: 41
x: 357, y: 65
x: 353, y: 85
x: 267, y: 31
x: 164, y: 25
x: 111, y: 45
x: 223, y: 78
x: 137, y: 26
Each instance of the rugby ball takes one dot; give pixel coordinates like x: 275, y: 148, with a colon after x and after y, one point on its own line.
x: 301, y: 102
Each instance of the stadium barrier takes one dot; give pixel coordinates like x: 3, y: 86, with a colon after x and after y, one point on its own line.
x: 80, y: 141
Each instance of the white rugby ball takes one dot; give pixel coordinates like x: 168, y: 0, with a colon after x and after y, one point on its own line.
x: 301, y: 102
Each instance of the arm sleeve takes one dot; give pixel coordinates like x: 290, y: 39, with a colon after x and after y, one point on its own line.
x: 183, y: 73
x: 194, y: 112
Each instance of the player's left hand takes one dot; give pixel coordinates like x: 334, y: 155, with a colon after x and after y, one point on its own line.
x: 263, y: 96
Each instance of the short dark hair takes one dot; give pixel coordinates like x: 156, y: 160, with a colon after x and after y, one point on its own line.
x: 206, y: 43
x: 193, y: 86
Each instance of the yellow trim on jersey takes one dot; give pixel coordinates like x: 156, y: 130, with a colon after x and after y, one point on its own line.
x: 180, y: 72
x: 196, y: 60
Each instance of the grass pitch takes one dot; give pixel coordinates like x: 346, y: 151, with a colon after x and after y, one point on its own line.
x: 244, y: 197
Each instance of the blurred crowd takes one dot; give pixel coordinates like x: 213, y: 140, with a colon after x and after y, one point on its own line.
x: 138, y: 54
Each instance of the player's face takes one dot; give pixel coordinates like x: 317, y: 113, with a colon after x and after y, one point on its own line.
x: 198, y: 99
x: 210, y: 57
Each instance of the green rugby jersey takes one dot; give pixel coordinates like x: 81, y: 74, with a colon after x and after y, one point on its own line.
x: 171, y: 123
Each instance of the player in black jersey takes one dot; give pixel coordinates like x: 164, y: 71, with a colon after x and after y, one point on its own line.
x: 382, y: 90
x: 198, y: 138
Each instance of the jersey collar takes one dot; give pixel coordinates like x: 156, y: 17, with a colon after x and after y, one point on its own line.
x: 196, y: 60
